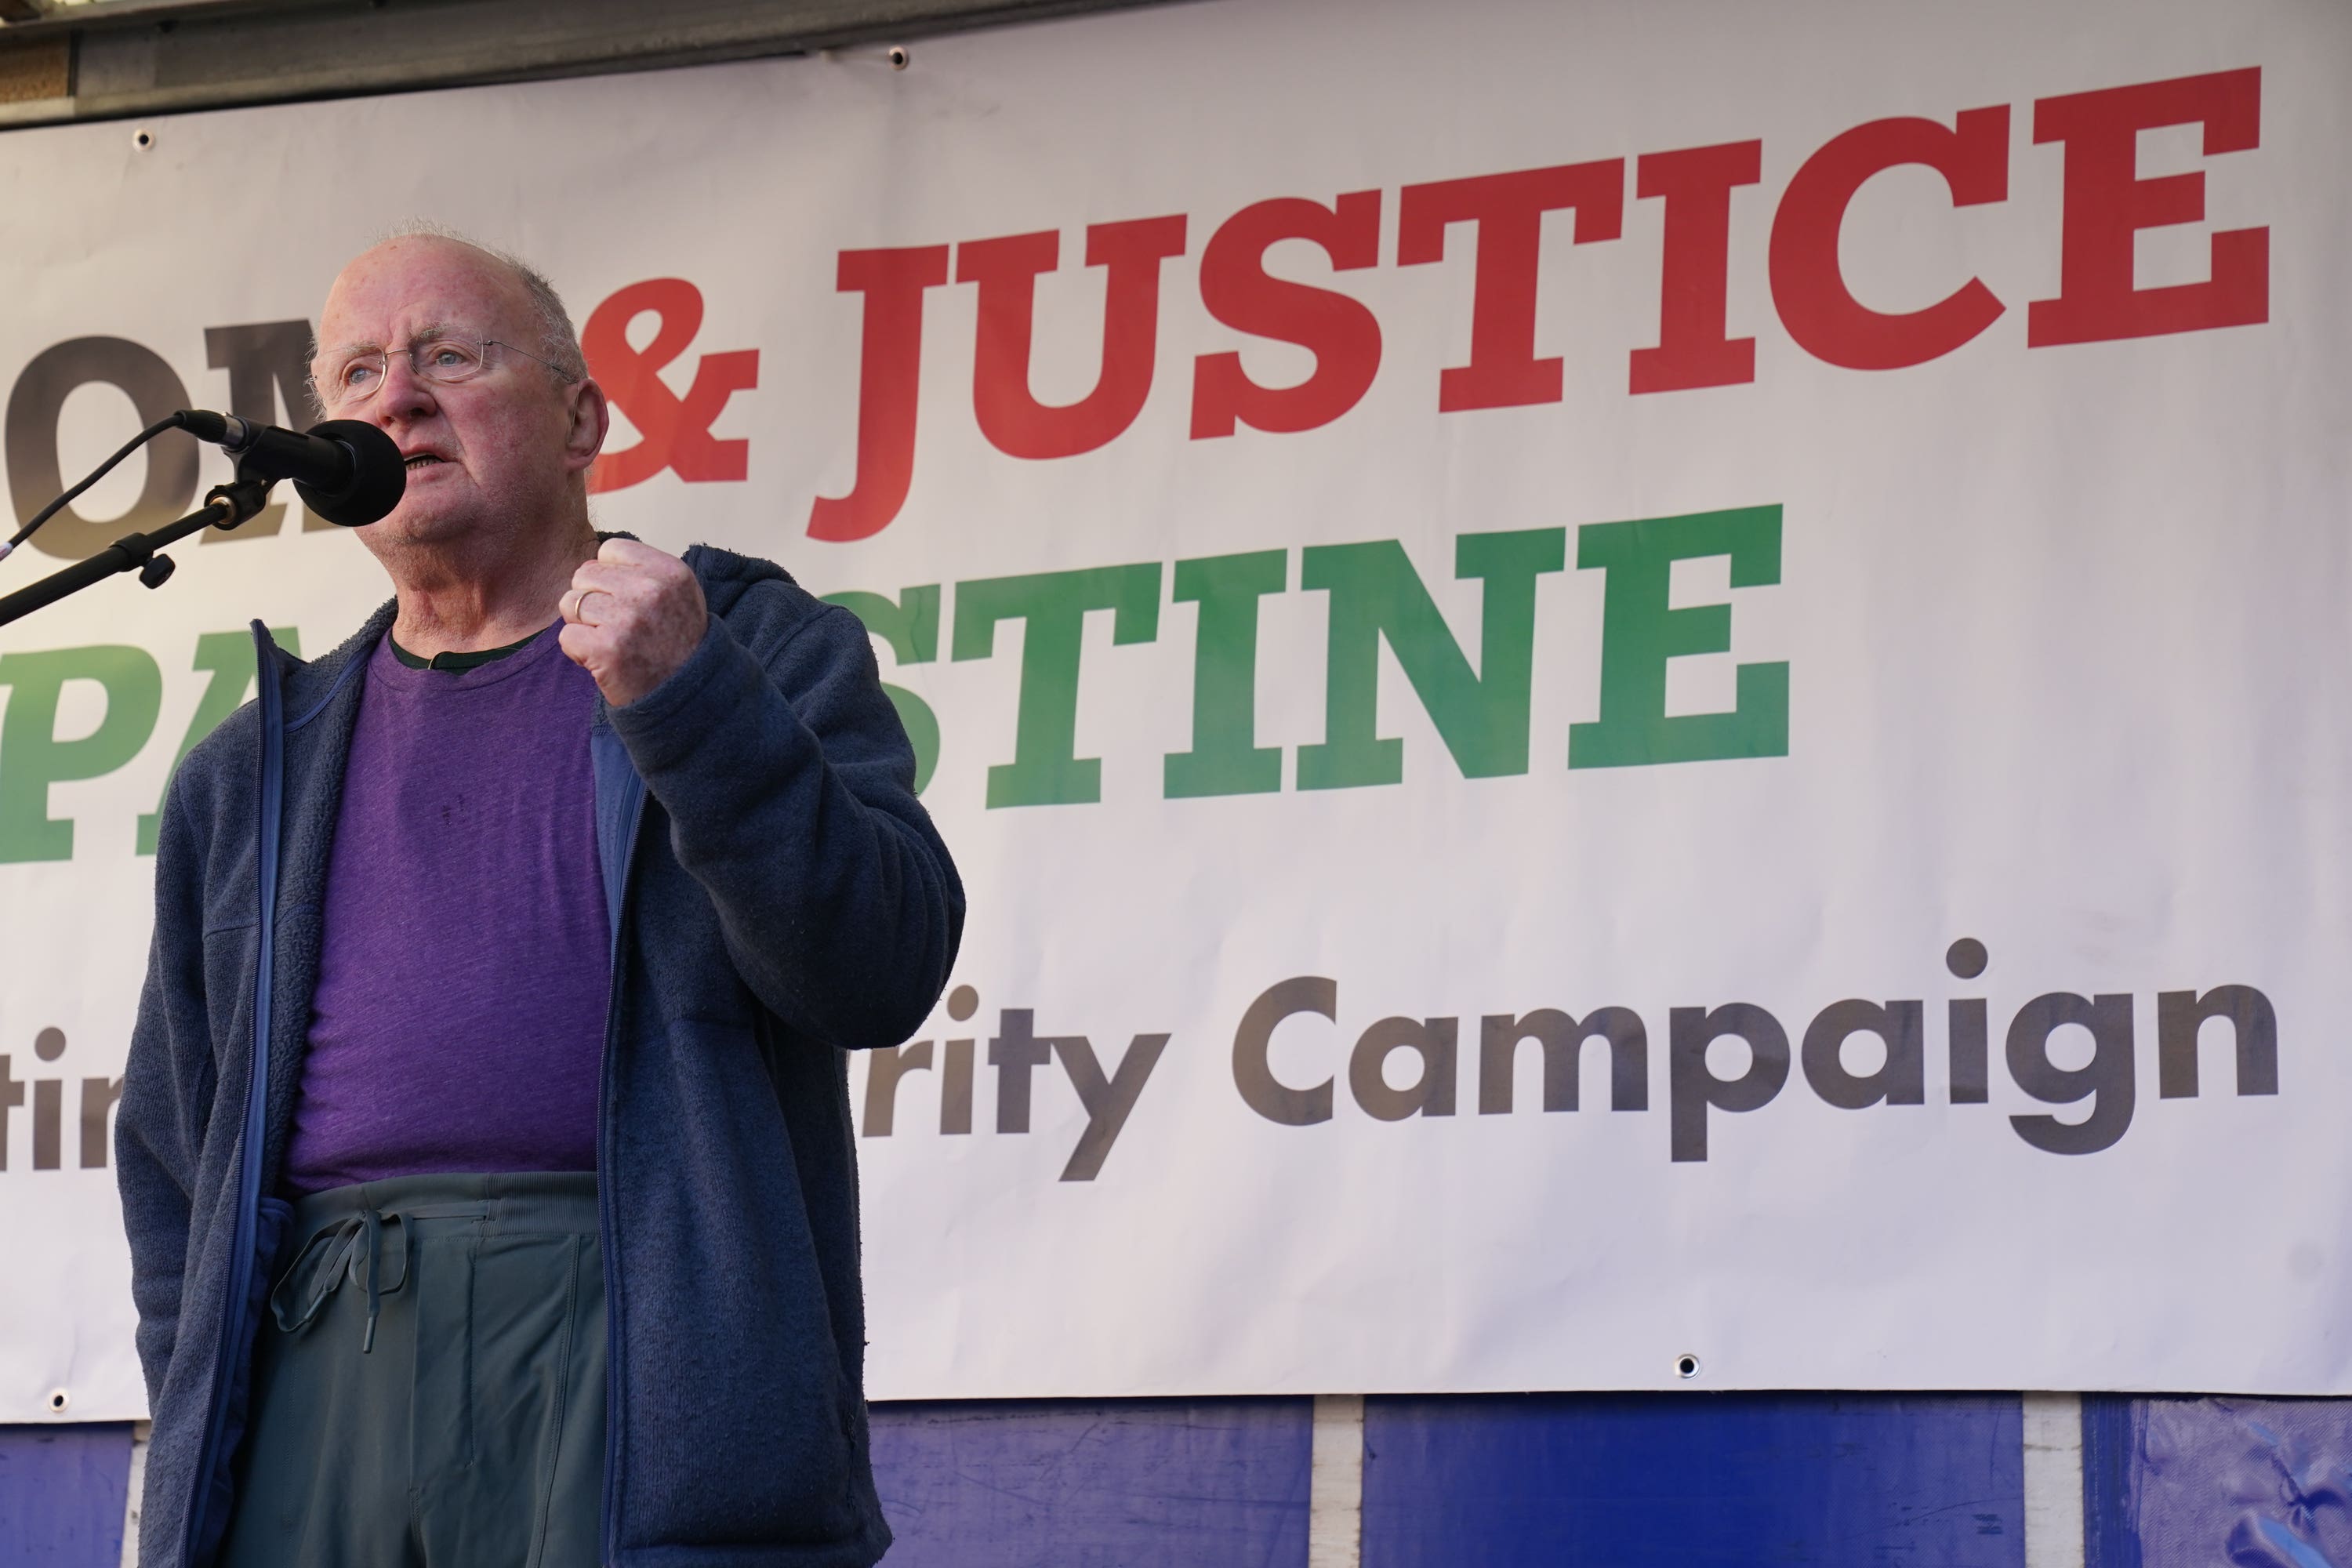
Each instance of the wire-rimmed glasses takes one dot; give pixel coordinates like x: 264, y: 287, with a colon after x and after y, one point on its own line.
x: 444, y: 359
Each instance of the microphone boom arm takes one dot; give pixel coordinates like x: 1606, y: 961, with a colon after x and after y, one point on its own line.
x: 224, y: 506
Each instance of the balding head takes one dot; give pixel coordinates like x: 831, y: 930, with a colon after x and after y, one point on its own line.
x: 500, y: 455
x: 550, y: 337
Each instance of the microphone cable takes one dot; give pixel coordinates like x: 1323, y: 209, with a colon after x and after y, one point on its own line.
x: 174, y: 422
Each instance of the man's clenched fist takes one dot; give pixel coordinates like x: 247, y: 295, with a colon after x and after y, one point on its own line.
x: 630, y: 617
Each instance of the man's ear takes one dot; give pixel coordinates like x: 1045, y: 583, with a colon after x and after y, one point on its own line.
x: 592, y: 420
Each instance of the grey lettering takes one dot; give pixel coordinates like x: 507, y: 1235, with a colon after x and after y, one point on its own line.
x: 1260, y: 1089
x: 1430, y: 1094
x: 1015, y: 1053
x: 1902, y: 1081
x: 49, y: 1124
x: 955, y: 1089
x: 1692, y: 1091
x: 2180, y: 1018
x: 1107, y: 1102
x: 12, y: 1095
x: 2106, y: 1082
x: 1971, y: 1077
x: 30, y: 438
x: 97, y: 1097
x: 1563, y: 1038
x: 886, y: 1066
x: 268, y: 365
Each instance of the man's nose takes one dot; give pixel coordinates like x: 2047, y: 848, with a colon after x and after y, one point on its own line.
x: 406, y: 394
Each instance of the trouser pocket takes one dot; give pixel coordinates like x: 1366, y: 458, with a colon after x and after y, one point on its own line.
x: 472, y: 1431
x: 518, y: 1382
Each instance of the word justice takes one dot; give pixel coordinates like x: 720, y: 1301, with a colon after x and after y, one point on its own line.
x: 1493, y: 225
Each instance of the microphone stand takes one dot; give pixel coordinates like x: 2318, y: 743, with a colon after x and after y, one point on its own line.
x: 224, y: 506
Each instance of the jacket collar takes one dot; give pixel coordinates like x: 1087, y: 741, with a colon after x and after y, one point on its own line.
x: 308, y: 681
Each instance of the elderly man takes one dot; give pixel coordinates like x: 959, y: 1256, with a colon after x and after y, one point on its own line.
x: 485, y: 1149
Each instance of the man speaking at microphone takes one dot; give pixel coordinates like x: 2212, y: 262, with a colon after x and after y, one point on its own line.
x: 546, y: 906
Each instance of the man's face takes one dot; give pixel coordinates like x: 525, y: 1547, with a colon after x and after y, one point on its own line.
x: 497, y: 453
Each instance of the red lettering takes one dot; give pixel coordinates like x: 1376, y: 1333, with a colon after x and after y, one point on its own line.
x: 890, y: 375
x: 2106, y: 204
x: 1807, y: 286
x: 1695, y: 270
x: 1509, y: 211
x: 1343, y: 336
x: 1007, y: 270
x: 674, y: 432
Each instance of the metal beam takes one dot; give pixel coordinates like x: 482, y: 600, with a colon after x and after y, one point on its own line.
x: 220, y: 57
x: 55, y: 17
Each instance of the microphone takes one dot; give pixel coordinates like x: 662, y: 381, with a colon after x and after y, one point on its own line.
x: 346, y: 470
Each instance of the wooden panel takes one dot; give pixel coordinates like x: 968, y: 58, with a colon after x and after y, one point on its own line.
x: 2184, y: 1483
x: 1692, y: 1480
x: 1173, y: 1483
x: 61, y: 1495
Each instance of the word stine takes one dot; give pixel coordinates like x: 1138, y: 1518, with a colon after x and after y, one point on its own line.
x: 1378, y: 599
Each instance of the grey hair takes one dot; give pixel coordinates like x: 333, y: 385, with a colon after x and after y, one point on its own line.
x: 559, y: 343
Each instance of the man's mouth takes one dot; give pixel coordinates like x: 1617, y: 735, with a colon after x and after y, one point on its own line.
x: 421, y: 460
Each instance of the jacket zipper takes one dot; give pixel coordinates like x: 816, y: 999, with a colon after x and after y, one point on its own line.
x: 634, y: 810
x: 271, y: 699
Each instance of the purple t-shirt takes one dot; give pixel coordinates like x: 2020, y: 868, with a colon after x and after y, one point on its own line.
x: 458, y: 1023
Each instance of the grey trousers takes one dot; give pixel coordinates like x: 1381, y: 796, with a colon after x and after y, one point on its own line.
x: 429, y: 1385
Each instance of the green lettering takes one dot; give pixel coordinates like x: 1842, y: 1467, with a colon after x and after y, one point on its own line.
x: 31, y: 756
x: 228, y: 658
x: 1375, y: 593
x: 1226, y: 758
x: 1053, y: 605
x: 1639, y: 634
x: 912, y: 627
x: 910, y: 624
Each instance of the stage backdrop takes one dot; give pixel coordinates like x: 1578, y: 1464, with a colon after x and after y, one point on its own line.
x: 1632, y: 696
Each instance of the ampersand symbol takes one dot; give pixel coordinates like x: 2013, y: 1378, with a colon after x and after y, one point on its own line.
x: 675, y: 431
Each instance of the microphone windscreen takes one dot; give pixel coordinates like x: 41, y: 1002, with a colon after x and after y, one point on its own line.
x: 378, y: 479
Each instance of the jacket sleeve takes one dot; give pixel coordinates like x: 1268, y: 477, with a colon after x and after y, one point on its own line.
x: 167, y: 1090
x: 789, y: 790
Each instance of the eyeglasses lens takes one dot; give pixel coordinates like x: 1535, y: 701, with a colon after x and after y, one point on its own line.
x: 441, y: 359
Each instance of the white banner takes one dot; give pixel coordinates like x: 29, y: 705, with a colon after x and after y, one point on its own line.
x: 1631, y: 696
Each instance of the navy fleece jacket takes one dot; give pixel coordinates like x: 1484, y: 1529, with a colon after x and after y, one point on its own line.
x: 778, y: 896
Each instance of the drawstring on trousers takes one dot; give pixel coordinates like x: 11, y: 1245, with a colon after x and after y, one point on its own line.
x: 338, y: 1252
